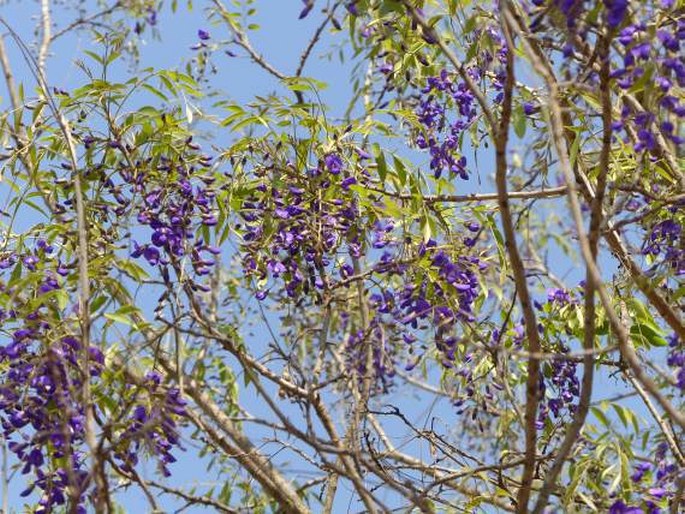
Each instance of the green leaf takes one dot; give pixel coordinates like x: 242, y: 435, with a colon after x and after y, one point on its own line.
x: 575, y: 147
x: 155, y: 91
x: 519, y: 121
x: 599, y: 414
x: 401, y: 170
x: 121, y: 318
x: 98, y: 302
x: 647, y: 334
x: 132, y: 269
x: 382, y: 166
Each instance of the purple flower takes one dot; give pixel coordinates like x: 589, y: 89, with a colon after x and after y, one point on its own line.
x: 616, y: 11
x: 347, y: 182
x: 385, y: 68
x: 333, y: 163
x: 363, y: 154
x: 203, y: 35
x: 640, y: 470
x: 473, y: 226
x: 30, y: 262
x: 619, y: 507
x: 558, y: 296
x: 627, y: 34
x: 657, y: 492
x: 152, y: 255
x: 308, y: 6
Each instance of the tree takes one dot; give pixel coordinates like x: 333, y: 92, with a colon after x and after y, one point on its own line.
x: 457, y: 289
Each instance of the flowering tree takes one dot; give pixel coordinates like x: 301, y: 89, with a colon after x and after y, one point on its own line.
x: 458, y: 289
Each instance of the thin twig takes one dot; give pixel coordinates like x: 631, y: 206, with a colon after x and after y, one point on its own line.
x: 665, y: 429
x: 193, y: 498
x: 475, y: 197
x: 315, y: 39
x: 84, y: 21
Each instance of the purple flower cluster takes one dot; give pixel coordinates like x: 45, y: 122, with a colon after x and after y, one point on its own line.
x: 43, y: 419
x: 401, y: 315
x: 665, y: 239
x: 293, y: 230
x: 564, y: 390
x: 441, y: 135
x: 655, y: 479
x: 559, y: 297
x: 302, y: 234
x: 559, y: 384
x: 42, y: 415
x: 152, y: 426
x: 572, y: 11
x: 676, y: 360
x: 660, y: 62
x: 430, y: 299
x: 174, y: 209
x: 447, y: 108
x: 383, y: 355
x: 41, y: 412
x: 615, y: 11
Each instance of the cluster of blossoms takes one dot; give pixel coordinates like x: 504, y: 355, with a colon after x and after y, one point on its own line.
x: 676, y: 360
x: 664, y: 476
x: 564, y: 389
x: 41, y: 411
x: 379, y: 337
x: 646, y: 61
x: 660, y: 62
x: 432, y: 113
x: 559, y: 385
x: 174, y: 208
x: 42, y: 414
x: 450, y: 279
x: 152, y: 426
x: 561, y: 373
x: 447, y: 108
x: 305, y: 232
x: 665, y: 240
x: 293, y: 228
x: 572, y: 11
x: 441, y: 295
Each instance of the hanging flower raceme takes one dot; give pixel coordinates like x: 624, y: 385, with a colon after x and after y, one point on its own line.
x: 176, y: 204
x: 297, y: 225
